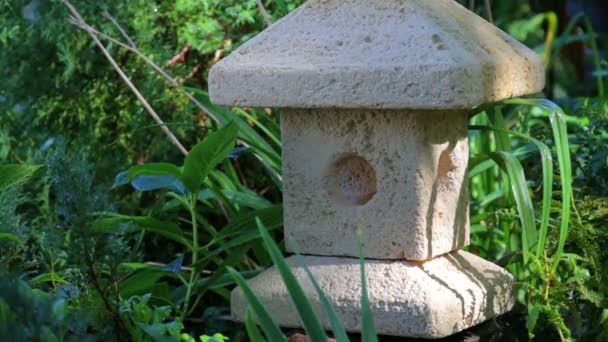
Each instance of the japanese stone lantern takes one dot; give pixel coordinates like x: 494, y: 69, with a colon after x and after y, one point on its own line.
x: 374, y: 97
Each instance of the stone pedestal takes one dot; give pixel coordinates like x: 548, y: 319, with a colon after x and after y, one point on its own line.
x: 374, y: 97
x: 432, y: 299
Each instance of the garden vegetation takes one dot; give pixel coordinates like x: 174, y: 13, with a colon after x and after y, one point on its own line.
x: 123, y: 221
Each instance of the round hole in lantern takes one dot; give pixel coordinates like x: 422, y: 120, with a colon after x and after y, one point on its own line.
x: 352, y: 180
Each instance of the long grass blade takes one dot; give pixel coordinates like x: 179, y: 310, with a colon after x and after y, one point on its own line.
x: 252, y: 329
x: 368, y: 326
x: 310, y: 319
x: 336, y: 325
x: 547, y: 167
x: 512, y: 167
x: 558, y: 120
x: 270, y: 328
x: 560, y: 135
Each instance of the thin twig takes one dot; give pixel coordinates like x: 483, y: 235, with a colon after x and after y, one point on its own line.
x: 183, y: 268
x: 91, y: 30
x: 155, y: 66
x: 472, y: 5
x: 126, y: 79
x: 264, y: 13
x: 108, y: 16
x: 488, y: 7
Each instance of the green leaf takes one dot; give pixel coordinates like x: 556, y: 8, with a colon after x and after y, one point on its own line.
x: 148, y: 183
x: 368, y: 326
x: 252, y: 329
x: 154, y: 169
x: 12, y: 237
x: 270, y: 328
x: 534, y: 311
x: 558, y: 122
x: 48, y: 278
x: 207, y: 155
x: 336, y: 325
x: 166, y: 229
x: 141, y: 282
x: 310, y: 319
x: 152, y: 176
x: 14, y: 175
x: 547, y: 167
x: 512, y: 167
x: 560, y: 134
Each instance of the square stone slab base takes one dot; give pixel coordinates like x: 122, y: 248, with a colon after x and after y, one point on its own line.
x: 430, y: 299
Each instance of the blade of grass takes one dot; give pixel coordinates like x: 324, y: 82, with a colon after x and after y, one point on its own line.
x: 512, y: 167
x: 270, y: 328
x: 547, y: 167
x: 558, y: 121
x: 558, y: 124
x: 596, y: 56
x: 252, y: 329
x: 309, y: 317
x: 368, y: 326
x: 336, y: 325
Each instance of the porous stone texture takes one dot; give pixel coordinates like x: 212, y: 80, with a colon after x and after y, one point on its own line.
x: 431, y: 300
x: 377, y: 54
x: 397, y: 175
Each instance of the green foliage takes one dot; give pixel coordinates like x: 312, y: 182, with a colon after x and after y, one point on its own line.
x: 150, y: 323
x: 309, y: 317
x: 28, y: 314
x: 163, y: 267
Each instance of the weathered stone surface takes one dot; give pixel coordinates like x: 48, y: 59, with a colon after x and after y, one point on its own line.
x: 432, y: 299
x: 377, y: 54
x: 398, y: 175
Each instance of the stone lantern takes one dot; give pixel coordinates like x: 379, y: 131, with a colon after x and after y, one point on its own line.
x: 374, y: 97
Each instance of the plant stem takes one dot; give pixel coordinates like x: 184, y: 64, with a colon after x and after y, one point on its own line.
x: 194, y: 274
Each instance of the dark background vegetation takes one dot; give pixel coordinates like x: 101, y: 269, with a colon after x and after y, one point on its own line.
x: 63, y: 106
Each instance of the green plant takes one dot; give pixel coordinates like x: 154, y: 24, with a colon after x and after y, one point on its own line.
x: 309, y: 316
x: 193, y: 186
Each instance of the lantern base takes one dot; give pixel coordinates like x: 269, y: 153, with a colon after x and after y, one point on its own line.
x: 431, y: 299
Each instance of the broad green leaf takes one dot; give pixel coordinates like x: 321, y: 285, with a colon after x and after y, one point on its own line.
x: 205, y: 156
x: 149, y: 183
x: 13, y: 174
x: 310, y: 319
x: 266, y: 154
x: 152, y: 176
x: 154, y: 169
x: 270, y: 328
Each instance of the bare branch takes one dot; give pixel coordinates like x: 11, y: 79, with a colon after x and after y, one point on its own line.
x: 150, y: 62
x: 264, y: 13
x: 77, y: 17
x: 108, y: 16
x: 488, y: 7
x: 160, y: 71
